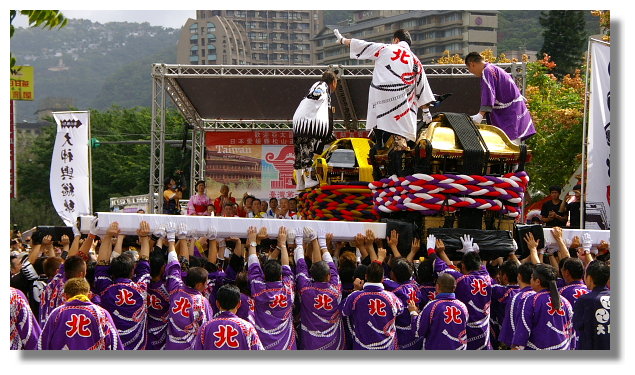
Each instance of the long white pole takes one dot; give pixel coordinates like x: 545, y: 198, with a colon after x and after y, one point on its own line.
x: 587, y: 94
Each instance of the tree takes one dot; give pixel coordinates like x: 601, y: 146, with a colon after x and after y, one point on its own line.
x: 557, y: 110
x: 565, y: 39
x: 38, y: 18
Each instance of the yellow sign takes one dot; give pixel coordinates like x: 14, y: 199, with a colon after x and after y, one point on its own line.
x: 22, y: 83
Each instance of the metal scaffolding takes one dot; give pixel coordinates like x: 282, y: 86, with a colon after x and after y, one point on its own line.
x: 165, y: 78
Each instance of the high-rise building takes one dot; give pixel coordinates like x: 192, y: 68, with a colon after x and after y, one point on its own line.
x: 213, y: 41
x: 261, y: 37
x: 432, y: 32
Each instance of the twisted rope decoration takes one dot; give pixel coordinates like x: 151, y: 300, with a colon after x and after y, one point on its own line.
x: 429, y: 193
x: 339, y: 203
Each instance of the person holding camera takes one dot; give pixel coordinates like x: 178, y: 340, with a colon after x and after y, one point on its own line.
x: 171, y: 196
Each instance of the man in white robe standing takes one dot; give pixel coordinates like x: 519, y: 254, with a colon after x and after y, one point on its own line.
x: 398, y: 89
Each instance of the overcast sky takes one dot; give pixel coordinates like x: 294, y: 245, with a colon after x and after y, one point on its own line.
x: 167, y: 18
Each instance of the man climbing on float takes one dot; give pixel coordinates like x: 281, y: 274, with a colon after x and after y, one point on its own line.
x: 312, y: 128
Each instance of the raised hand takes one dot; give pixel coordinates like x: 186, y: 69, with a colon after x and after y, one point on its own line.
x: 181, y: 231
x: 309, y: 234
x: 65, y: 240
x: 393, y: 240
x: 431, y: 242
x: 212, y: 233
x: 282, y: 236
x: 113, y: 229
x: 144, y: 229
x: 468, y: 244
x: 170, y: 231
x: 532, y: 244
x: 262, y: 234
x: 159, y: 231
x: 251, y: 235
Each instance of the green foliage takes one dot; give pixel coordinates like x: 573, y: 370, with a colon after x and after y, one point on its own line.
x: 47, y: 19
x: 557, y: 109
x: 565, y: 39
x: 117, y: 170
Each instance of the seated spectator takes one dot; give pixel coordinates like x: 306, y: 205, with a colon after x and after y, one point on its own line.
x: 553, y: 213
x: 256, y: 211
x: 442, y: 322
x: 224, y: 198
x: 226, y: 331
x: 79, y: 324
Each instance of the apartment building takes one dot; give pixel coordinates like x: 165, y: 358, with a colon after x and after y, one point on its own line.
x: 432, y: 32
x: 280, y: 37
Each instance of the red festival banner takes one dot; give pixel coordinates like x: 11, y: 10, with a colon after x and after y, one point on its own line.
x: 257, y: 162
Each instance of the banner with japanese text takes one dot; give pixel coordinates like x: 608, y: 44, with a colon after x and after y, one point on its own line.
x: 22, y: 83
x: 70, y: 169
x: 598, y: 181
x: 12, y: 168
x: 256, y: 162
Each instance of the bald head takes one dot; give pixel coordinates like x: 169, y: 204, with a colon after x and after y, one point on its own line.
x: 446, y: 283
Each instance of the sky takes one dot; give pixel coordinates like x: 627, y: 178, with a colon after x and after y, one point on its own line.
x: 166, y: 18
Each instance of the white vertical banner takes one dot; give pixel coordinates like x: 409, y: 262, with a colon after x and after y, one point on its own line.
x: 70, y: 168
x: 598, y: 180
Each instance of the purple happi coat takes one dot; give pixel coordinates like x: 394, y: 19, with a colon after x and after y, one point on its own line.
x: 158, y: 309
x: 508, y: 109
x: 475, y: 291
x: 79, y: 325
x: 372, y: 313
x: 274, y: 307
x: 226, y: 331
x: 512, y: 312
x: 126, y: 301
x: 321, y: 325
x: 247, y: 309
x: 428, y: 292
x: 501, y: 295
x: 24, y: 330
x: 542, y: 326
x: 188, y: 311
x: 442, y: 324
x: 571, y: 292
x: 405, y: 331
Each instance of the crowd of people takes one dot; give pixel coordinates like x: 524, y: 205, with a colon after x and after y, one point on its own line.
x: 225, y: 205
x: 169, y: 288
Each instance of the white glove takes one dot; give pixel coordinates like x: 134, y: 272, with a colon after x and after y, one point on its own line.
x: 431, y: 242
x: 170, y: 231
x: 475, y: 248
x: 321, y: 236
x: 211, y: 233
x: 586, y: 242
x: 338, y: 36
x: 594, y: 250
x: 159, y: 231
x: 290, y: 236
x: 477, y: 118
x: 299, y: 240
x: 309, y: 234
x: 181, y: 232
x: 76, y: 231
x: 467, y: 242
x: 221, y: 243
x: 514, y: 245
x: 551, y: 248
x: 93, y: 226
x: 426, y: 116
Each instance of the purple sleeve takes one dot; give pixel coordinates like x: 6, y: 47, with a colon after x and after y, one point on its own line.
x: 347, y: 306
x: 102, y: 278
x: 390, y: 285
x: 301, y: 273
x: 335, y: 276
x: 421, y: 322
x: 441, y: 266
x: 173, y: 275
x: 142, y: 272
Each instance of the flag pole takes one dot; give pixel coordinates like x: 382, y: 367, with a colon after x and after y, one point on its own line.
x: 587, y: 93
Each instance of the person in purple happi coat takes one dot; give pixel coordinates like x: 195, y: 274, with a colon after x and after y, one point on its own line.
x: 79, y: 324
x: 272, y: 289
x: 502, y: 293
x: 442, y: 322
x: 545, y: 317
x: 501, y: 101
x: 320, y: 294
x: 373, y: 310
x: 226, y: 331
x: 189, y: 308
x: 158, y: 295
x: 24, y: 330
x: 473, y: 288
x: 123, y: 286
